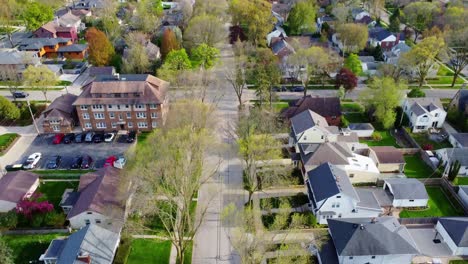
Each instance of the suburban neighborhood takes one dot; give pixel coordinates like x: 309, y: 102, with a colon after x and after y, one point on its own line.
x: 233, y: 131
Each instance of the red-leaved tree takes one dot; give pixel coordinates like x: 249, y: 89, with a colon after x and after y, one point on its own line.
x: 34, y: 205
x: 347, y: 79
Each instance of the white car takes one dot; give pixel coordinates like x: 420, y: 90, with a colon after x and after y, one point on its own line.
x: 108, y: 137
x: 120, y: 162
x: 32, y: 161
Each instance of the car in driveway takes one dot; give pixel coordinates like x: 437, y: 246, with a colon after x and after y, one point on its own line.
x: 58, y: 138
x: 31, y: 161
x: 131, y: 136
x: 109, y: 137
x: 19, y: 94
x: 86, y: 162
x: 54, y: 162
x: 89, y: 137
x: 69, y: 138
x: 98, y: 138
x: 76, y: 162
x: 79, y: 138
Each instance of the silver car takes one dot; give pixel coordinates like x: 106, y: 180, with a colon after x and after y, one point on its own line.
x: 32, y: 161
x: 89, y: 137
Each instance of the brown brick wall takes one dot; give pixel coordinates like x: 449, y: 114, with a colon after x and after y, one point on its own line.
x: 63, y: 128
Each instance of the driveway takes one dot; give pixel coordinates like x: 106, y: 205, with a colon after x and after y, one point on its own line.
x: 97, y: 151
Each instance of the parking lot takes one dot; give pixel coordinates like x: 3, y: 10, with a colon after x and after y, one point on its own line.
x: 97, y: 151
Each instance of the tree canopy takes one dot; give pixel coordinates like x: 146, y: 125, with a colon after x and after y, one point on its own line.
x: 100, y: 48
x: 301, y: 19
x: 353, y: 36
x: 353, y: 63
x: 36, y: 14
x: 419, y: 15
x: 39, y: 77
x: 205, y: 28
x: 347, y: 79
x: 205, y: 56
x: 176, y: 61
x: 169, y: 42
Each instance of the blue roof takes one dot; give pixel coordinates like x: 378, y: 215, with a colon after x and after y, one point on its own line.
x: 379, y: 33
x: 278, y: 46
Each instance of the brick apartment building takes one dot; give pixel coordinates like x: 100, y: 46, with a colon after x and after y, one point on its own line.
x: 123, y: 102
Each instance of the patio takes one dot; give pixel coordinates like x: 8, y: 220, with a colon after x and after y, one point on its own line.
x: 423, y: 237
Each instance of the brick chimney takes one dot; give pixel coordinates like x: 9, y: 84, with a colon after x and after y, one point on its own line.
x: 84, y: 258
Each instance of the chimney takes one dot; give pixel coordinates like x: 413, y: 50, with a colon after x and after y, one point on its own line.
x: 361, y: 227
x: 84, y: 257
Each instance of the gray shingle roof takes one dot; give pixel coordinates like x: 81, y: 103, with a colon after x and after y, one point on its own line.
x: 362, y: 237
x: 16, y: 57
x: 335, y: 153
x: 462, y: 138
x: 423, y: 105
x: 460, y: 154
x: 367, y: 199
x: 361, y: 126
x: 14, y: 185
x: 305, y: 120
x: 406, y: 188
x: 327, y: 180
x: 457, y: 228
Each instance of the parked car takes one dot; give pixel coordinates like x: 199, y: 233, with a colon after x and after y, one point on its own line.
x: 69, y: 138
x: 54, y: 162
x: 89, y: 137
x: 86, y: 162
x: 299, y: 88
x: 58, y: 138
x: 98, y: 138
x: 109, y: 137
x: 19, y: 94
x: 32, y: 160
x: 76, y: 162
x: 120, y: 162
x: 131, y: 136
x: 14, y: 167
x: 79, y: 138
x: 110, y: 161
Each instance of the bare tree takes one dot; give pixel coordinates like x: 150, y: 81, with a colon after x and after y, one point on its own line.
x: 458, y: 51
x: 11, y: 78
x: 236, y: 77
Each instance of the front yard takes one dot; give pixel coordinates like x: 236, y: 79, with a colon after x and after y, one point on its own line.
x: 6, y: 140
x: 28, y: 248
x: 439, y: 205
x: 416, y: 168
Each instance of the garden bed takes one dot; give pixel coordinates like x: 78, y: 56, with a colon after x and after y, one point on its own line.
x: 439, y: 205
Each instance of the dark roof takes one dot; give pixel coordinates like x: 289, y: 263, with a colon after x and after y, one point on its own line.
x: 327, y: 253
x: 14, y: 185
x: 69, y: 198
x: 327, y: 180
x: 462, y: 138
x: 62, y: 107
x: 367, y: 199
x: 73, y: 48
x: 324, y: 106
x: 37, y: 43
x: 379, y: 33
x: 460, y: 154
x: 457, y: 228
x: 365, y: 20
x: 367, y: 237
x: 307, y: 120
x: 104, y: 70
x: 406, y: 188
x: 361, y: 126
x: 55, y: 248
x: 332, y: 152
x: 388, y: 154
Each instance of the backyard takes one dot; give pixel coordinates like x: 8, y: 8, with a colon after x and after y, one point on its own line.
x: 387, y: 139
x: 439, y: 205
x: 461, y: 181
x: 28, y: 248
x: 6, y: 140
x: 425, y: 142
x: 53, y: 191
x: 149, y: 251
x: 416, y: 168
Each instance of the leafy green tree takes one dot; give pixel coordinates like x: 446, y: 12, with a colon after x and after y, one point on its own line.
x: 456, y: 17
x: 353, y: 63
x: 394, y: 25
x: 265, y: 73
x: 40, y: 77
x: 8, y: 110
x: 205, y: 56
x: 176, y: 62
x: 454, y: 169
x: 204, y: 29
x: 6, y: 254
x: 301, y: 19
x: 353, y: 36
x: 36, y: 14
x: 419, y: 15
x: 377, y: 52
x: 148, y: 15
x: 383, y: 96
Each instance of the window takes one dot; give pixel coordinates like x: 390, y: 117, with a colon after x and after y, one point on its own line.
x: 99, y: 115
x: 98, y: 221
x: 154, y: 124
x: 139, y: 106
x: 153, y: 106
x: 339, y: 216
x: 54, y: 121
x: 373, y: 257
x: 136, y: 94
x: 129, y: 115
x: 117, y: 95
x: 118, y: 107
x: 351, y: 175
x: 56, y: 128
x: 130, y: 124
x: 83, y: 107
x: 87, y: 222
x: 142, y: 125
x: 85, y: 116
x: 120, y: 117
x: 88, y: 125
x: 100, y: 125
x: 127, y: 106
x: 109, y: 106
x: 337, y: 205
x: 411, y: 200
x: 436, y: 115
x: 89, y: 212
x: 141, y: 115
x: 321, y: 137
x: 114, y: 125
x: 350, y: 257
x: 97, y: 107
x: 111, y: 115
x: 154, y: 115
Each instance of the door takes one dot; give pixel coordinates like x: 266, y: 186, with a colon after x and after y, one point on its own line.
x: 122, y: 127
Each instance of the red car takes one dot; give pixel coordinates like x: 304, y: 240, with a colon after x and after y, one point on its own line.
x: 110, y: 161
x: 58, y: 138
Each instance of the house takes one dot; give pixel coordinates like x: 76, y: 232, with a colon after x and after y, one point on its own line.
x: 406, y: 192
x: 328, y: 107
x: 449, y: 155
x: 99, y: 200
x: 53, y: 29
x: 387, y: 158
x: 384, y: 38
x: 102, y: 70
x: 458, y: 140
x: 363, y: 130
x: 123, y: 102
x: 463, y: 193
x: 392, y: 56
x: 90, y: 244
x: 281, y: 11
x: 369, y: 64
x: 332, y: 195
x: 372, y: 240
x: 60, y: 116
x: 424, y: 113
x: 47, y: 47
x: 454, y: 231
x: 277, y: 33
x: 88, y: 4
x: 366, y: 20
x: 460, y: 100
x: 70, y: 20
x: 359, y: 13
x: 151, y: 50
x: 16, y: 186
x: 13, y: 62
x: 74, y: 51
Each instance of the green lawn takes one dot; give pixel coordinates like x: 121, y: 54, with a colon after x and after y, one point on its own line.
x: 423, y: 139
x: 142, y: 137
x: 438, y: 205
x: 6, y: 140
x: 278, y: 106
x: 61, y: 174
x: 188, y: 253
x: 416, y: 168
x: 461, y: 181
x: 352, y: 107
x: 28, y: 248
x: 54, y: 190
x: 458, y: 261
x: 387, y: 140
x: 444, y: 71
x: 444, y: 80
x: 149, y: 251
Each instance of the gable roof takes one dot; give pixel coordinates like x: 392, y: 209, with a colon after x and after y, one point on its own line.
x: 61, y: 107
x: 424, y: 105
x: 379, y: 33
x: 367, y: 237
x: 457, y: 228
x: 14, y: 185
x: 388, y: 154
x: 461, y: 138
x: 99, y: 192
x: 453, y: 154
x: 334, y: 152
x: 327, y: 180
x: 16, y: 57
x: 38, y: 43
x: 307, y: 120
x: 324, y: 106
x: 407, y: 188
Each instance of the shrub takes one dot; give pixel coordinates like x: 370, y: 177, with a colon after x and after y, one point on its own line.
x: 414, y: 93
x: 311, y: 220
x: 344, y: 121
x: 34, y: 206
x: 376, y: 136
x: 428, y: 147
x: 8, y: 220
x: 54, y: 219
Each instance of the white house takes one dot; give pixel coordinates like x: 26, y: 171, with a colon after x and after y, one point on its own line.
x: 406, y: 192
x: 454, y: 231
x: 424, y: 113
x: 463, y: 193
x: 379, y: 240
x: 278, y: 32
x: 392, y: 56
x: 449, y: 155
x: 332, y: 195
x: 16, y: 186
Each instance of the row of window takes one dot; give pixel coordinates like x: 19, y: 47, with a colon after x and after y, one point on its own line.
x: 118, y: 107
x: 103, y: 125
x: 115, y: 95
x: 139, y: 115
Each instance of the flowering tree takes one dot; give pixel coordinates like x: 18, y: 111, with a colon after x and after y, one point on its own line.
x: 34, y: 205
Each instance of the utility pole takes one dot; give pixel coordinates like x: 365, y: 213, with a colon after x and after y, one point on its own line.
x: 32, y: 116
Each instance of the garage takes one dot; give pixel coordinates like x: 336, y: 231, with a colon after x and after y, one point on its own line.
x: 406, y: 192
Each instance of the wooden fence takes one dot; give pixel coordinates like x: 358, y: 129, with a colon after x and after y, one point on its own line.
x: 419, y: 221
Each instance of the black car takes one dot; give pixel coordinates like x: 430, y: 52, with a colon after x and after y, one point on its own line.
x: 87, y: 162
x: 131, y: 136
x: 69, y: 138
x: 98, y: 138
x: 79, y: 138
x: 54, y: 162
x: 19, y: 94
x: 76, y: 163
x: 297, y: 89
